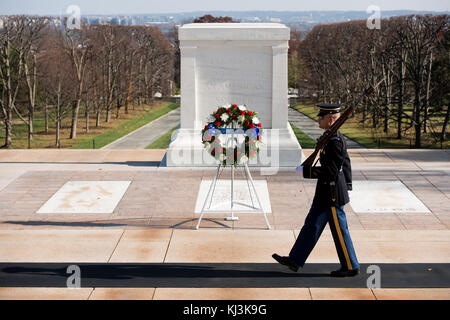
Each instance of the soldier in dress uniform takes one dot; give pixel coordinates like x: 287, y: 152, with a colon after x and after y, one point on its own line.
x: 334, y: 179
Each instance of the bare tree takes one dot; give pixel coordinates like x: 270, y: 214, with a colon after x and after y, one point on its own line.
x: 419, y: 37
x: 77, y: 45
x: 58, y: 79
x: 11, y: 68
x: 31, y: 37
x: 343, y: 57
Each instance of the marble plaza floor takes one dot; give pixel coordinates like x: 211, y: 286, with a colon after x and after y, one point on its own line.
x: 152, y: 218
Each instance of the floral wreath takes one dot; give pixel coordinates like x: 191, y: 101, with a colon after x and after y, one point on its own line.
x: 235, y: 117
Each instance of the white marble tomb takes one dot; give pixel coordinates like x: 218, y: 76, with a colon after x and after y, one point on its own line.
x: 234, y: 63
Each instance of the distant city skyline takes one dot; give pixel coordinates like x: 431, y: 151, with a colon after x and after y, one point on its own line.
x: 114, y: 7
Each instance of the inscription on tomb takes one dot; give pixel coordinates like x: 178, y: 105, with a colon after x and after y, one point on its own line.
x: 231, y: 75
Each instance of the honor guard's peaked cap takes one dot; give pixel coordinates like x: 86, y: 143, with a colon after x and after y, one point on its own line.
x: 328, y: 109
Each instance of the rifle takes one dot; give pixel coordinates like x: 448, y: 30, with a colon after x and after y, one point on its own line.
x: 323, y: 140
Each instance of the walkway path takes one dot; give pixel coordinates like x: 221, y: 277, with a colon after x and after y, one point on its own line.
x: 144, y: 136
x: 311, y: 128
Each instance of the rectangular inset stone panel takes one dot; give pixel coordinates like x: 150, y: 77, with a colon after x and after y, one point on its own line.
x: 86, y: 197
x: 384, y: 196
x: 221, y: 201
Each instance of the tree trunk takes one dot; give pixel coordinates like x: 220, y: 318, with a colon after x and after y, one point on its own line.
x: 8, y: 130
x: 108, y: 114
x: 58, y: 116
x: 9, y: 106
x: 364, y: 114
x: 118, y: 109
x: 87, y: 116
x: 97, y: 120
x: 401, y: 93
x: 444, y: 127
x: 387, y: 102
x: 427, y: 101
x: 46, y: 117
x: 32, y: 95
x: 58, y: 126
x: 417, y: 124
x: 75, y: 109
x: 30, y: 127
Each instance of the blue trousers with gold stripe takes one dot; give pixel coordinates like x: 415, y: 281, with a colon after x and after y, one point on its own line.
x: 314, y: 224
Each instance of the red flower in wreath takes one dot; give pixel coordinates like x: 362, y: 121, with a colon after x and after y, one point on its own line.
x: 237, y: 117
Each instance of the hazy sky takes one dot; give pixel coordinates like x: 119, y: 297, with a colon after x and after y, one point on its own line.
x: 162, y: 6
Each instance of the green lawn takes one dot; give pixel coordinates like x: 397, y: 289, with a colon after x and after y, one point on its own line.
x: 163, y: 141
x: 305, y: 141
x: 104, y: 134
x: 376, y: 138
x: 123, y: 129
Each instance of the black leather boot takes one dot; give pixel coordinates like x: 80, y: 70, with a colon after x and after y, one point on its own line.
x: 286, y: 261
x: 341, y: 273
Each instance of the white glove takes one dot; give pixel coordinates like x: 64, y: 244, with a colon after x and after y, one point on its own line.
x: 299, y: 170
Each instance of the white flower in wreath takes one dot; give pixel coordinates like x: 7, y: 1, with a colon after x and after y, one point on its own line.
x: 225, y: 117
x: 242, y: 108
x: 207, y: 145
x: 244, y: 159
x: 240, y: 138
x: 222, y: 157
x: 241, y: 118
x: 258, y: 144
x: 255, y: 120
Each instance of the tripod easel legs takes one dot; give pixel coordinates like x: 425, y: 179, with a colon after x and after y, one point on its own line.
x: 212, y: 188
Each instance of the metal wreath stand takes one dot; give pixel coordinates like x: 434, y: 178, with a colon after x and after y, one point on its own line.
x: 250, y: 184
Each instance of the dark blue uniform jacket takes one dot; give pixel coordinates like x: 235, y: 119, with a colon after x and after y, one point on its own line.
x: 334, y: 176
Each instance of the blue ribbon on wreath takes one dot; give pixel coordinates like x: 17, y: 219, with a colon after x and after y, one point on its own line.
x: 255, y: 132
x: 212, y: 130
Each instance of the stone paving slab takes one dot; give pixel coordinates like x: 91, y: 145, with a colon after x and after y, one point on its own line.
x: 58, y: 245
x: 163, y: 193
x: 142, y: 245
x: 341, y: 294
x: 229, y: 245
x: 232, y: 294
x: 221, y: 294
x: 44, y: 293
x: 122, y: 294
x: 154, y: 221
x: 213, y: 245
x: 408, y: 294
